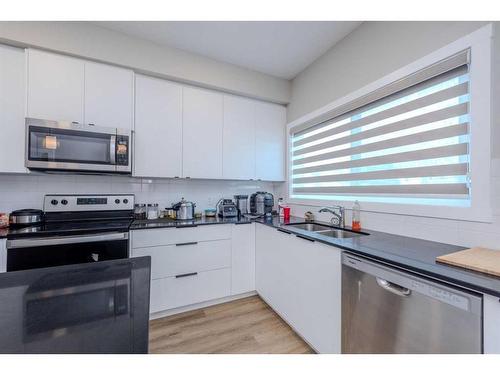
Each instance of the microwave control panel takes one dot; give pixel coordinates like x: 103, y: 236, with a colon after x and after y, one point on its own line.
x: 122, y: 149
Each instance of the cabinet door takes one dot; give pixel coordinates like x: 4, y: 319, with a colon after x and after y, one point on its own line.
x: 491, y: 324
x: 270, y: 268
x: 202, y: 133
x: 270, y: 121
x: 158, y: 128
x: 314, y: 271
x: 55, y: 87
x: 12, y: 100
x: 243, y: 258
x: 109, y: 98
x: 239, y: 138
x: 301, y: 281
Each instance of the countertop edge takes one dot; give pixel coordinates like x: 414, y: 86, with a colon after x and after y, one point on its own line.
x: 462, y: 278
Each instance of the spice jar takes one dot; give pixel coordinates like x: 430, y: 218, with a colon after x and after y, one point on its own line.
x: 153, y: 211
x: 140, y: 211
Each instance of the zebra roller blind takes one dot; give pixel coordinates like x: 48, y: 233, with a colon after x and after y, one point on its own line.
x: 408, y: 143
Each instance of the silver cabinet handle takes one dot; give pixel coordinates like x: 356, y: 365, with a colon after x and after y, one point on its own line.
x: 112, y: 149
x: 35, y: 242
x: 393, y: 288
x: 186, y: 243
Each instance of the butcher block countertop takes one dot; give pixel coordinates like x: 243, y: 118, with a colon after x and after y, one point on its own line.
x: 477, y: 259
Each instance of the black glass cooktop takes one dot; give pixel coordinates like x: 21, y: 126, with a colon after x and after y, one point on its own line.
x: 69, y: 228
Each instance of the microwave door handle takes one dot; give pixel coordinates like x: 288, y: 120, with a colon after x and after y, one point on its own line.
x: 112, y: 150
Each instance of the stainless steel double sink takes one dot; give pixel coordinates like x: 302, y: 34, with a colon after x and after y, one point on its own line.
x: 325, y: 230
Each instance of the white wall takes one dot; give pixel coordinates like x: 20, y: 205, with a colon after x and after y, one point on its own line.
x: 90, y: 41
x: 27, y: 191
x: 370, y: 52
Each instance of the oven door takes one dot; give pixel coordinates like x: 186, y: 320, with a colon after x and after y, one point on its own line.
x: 41, y: 252
x: 65, y: 146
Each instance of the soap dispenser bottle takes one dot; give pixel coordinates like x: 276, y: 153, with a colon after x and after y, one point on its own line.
x: 356, y: 216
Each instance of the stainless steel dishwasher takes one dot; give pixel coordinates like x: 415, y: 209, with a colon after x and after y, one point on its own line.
x: 388, y: 310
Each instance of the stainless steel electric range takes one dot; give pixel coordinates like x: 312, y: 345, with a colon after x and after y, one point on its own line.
x: 77, y: 229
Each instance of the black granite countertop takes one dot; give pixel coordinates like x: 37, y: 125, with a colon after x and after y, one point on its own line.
x: 169, y: 223
x: 410, y: 253
x: 143, y: 224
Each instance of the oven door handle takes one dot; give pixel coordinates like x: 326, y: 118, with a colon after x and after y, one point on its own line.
x: 112, y: 150
x: 51, y: 241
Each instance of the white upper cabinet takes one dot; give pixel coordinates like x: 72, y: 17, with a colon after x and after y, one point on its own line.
x: 12, y: 101
x: 68, y: 89
x: 202, y: 133
x: 158, y: 128
x: 239, y: 138
x: 55, y: 87
x: 270, y: 121
x: 109, y: 96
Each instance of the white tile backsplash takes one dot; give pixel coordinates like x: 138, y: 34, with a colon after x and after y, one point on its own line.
x: 27, y: 191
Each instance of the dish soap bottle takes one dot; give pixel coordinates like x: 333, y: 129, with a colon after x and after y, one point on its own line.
x: 280, y: 208
x: 356, y: 216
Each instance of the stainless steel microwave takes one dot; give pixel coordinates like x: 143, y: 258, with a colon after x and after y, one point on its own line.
x: 66, y: 146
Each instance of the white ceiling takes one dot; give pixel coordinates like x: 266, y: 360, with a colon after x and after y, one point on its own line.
x: 282, y: 49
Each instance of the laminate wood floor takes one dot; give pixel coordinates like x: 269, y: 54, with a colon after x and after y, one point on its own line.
x: 247, y: 325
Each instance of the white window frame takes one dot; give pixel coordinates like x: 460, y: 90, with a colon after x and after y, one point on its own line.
x: 480, y: 72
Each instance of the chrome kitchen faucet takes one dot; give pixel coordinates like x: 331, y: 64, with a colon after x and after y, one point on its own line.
x: 340, y: 216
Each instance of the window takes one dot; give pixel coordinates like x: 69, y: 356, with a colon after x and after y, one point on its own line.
x: 406, y: 143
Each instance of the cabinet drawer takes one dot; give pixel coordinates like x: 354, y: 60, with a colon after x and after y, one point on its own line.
x: 171, y: 260
x: 172, y: 292
x: 172, y: 236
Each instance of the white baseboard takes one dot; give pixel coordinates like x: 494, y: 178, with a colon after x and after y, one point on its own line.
x: 178, y: 310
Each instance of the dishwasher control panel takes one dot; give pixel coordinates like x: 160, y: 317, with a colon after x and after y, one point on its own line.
x: 407, y: 283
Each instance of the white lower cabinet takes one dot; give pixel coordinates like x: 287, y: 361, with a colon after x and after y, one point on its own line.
x: 173, y: 260
x: 243, y: 258
x: 301, y: 281
x: 198, y: 264
x: 491, y: 324
x: 172, y: 292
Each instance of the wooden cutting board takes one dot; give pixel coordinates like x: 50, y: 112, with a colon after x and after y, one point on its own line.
x: 476, y: 258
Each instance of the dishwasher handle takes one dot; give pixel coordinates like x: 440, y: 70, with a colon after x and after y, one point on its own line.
x: 393, y: 288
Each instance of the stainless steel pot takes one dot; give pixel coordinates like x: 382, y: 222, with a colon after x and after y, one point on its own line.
x: 184, y: 209
x: 26, y: 217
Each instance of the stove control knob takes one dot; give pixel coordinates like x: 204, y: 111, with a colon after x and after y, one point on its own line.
x: 64, y: 201
x: 117, y: 201
x: 54, y: 202
x: 125, y: 201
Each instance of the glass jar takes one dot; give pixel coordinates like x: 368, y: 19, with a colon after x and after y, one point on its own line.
x: 153, y: 211
x: 140, y: 211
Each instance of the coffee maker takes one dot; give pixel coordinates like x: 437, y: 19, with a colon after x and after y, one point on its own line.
x: 261, y: 203
x: 242, y: 204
